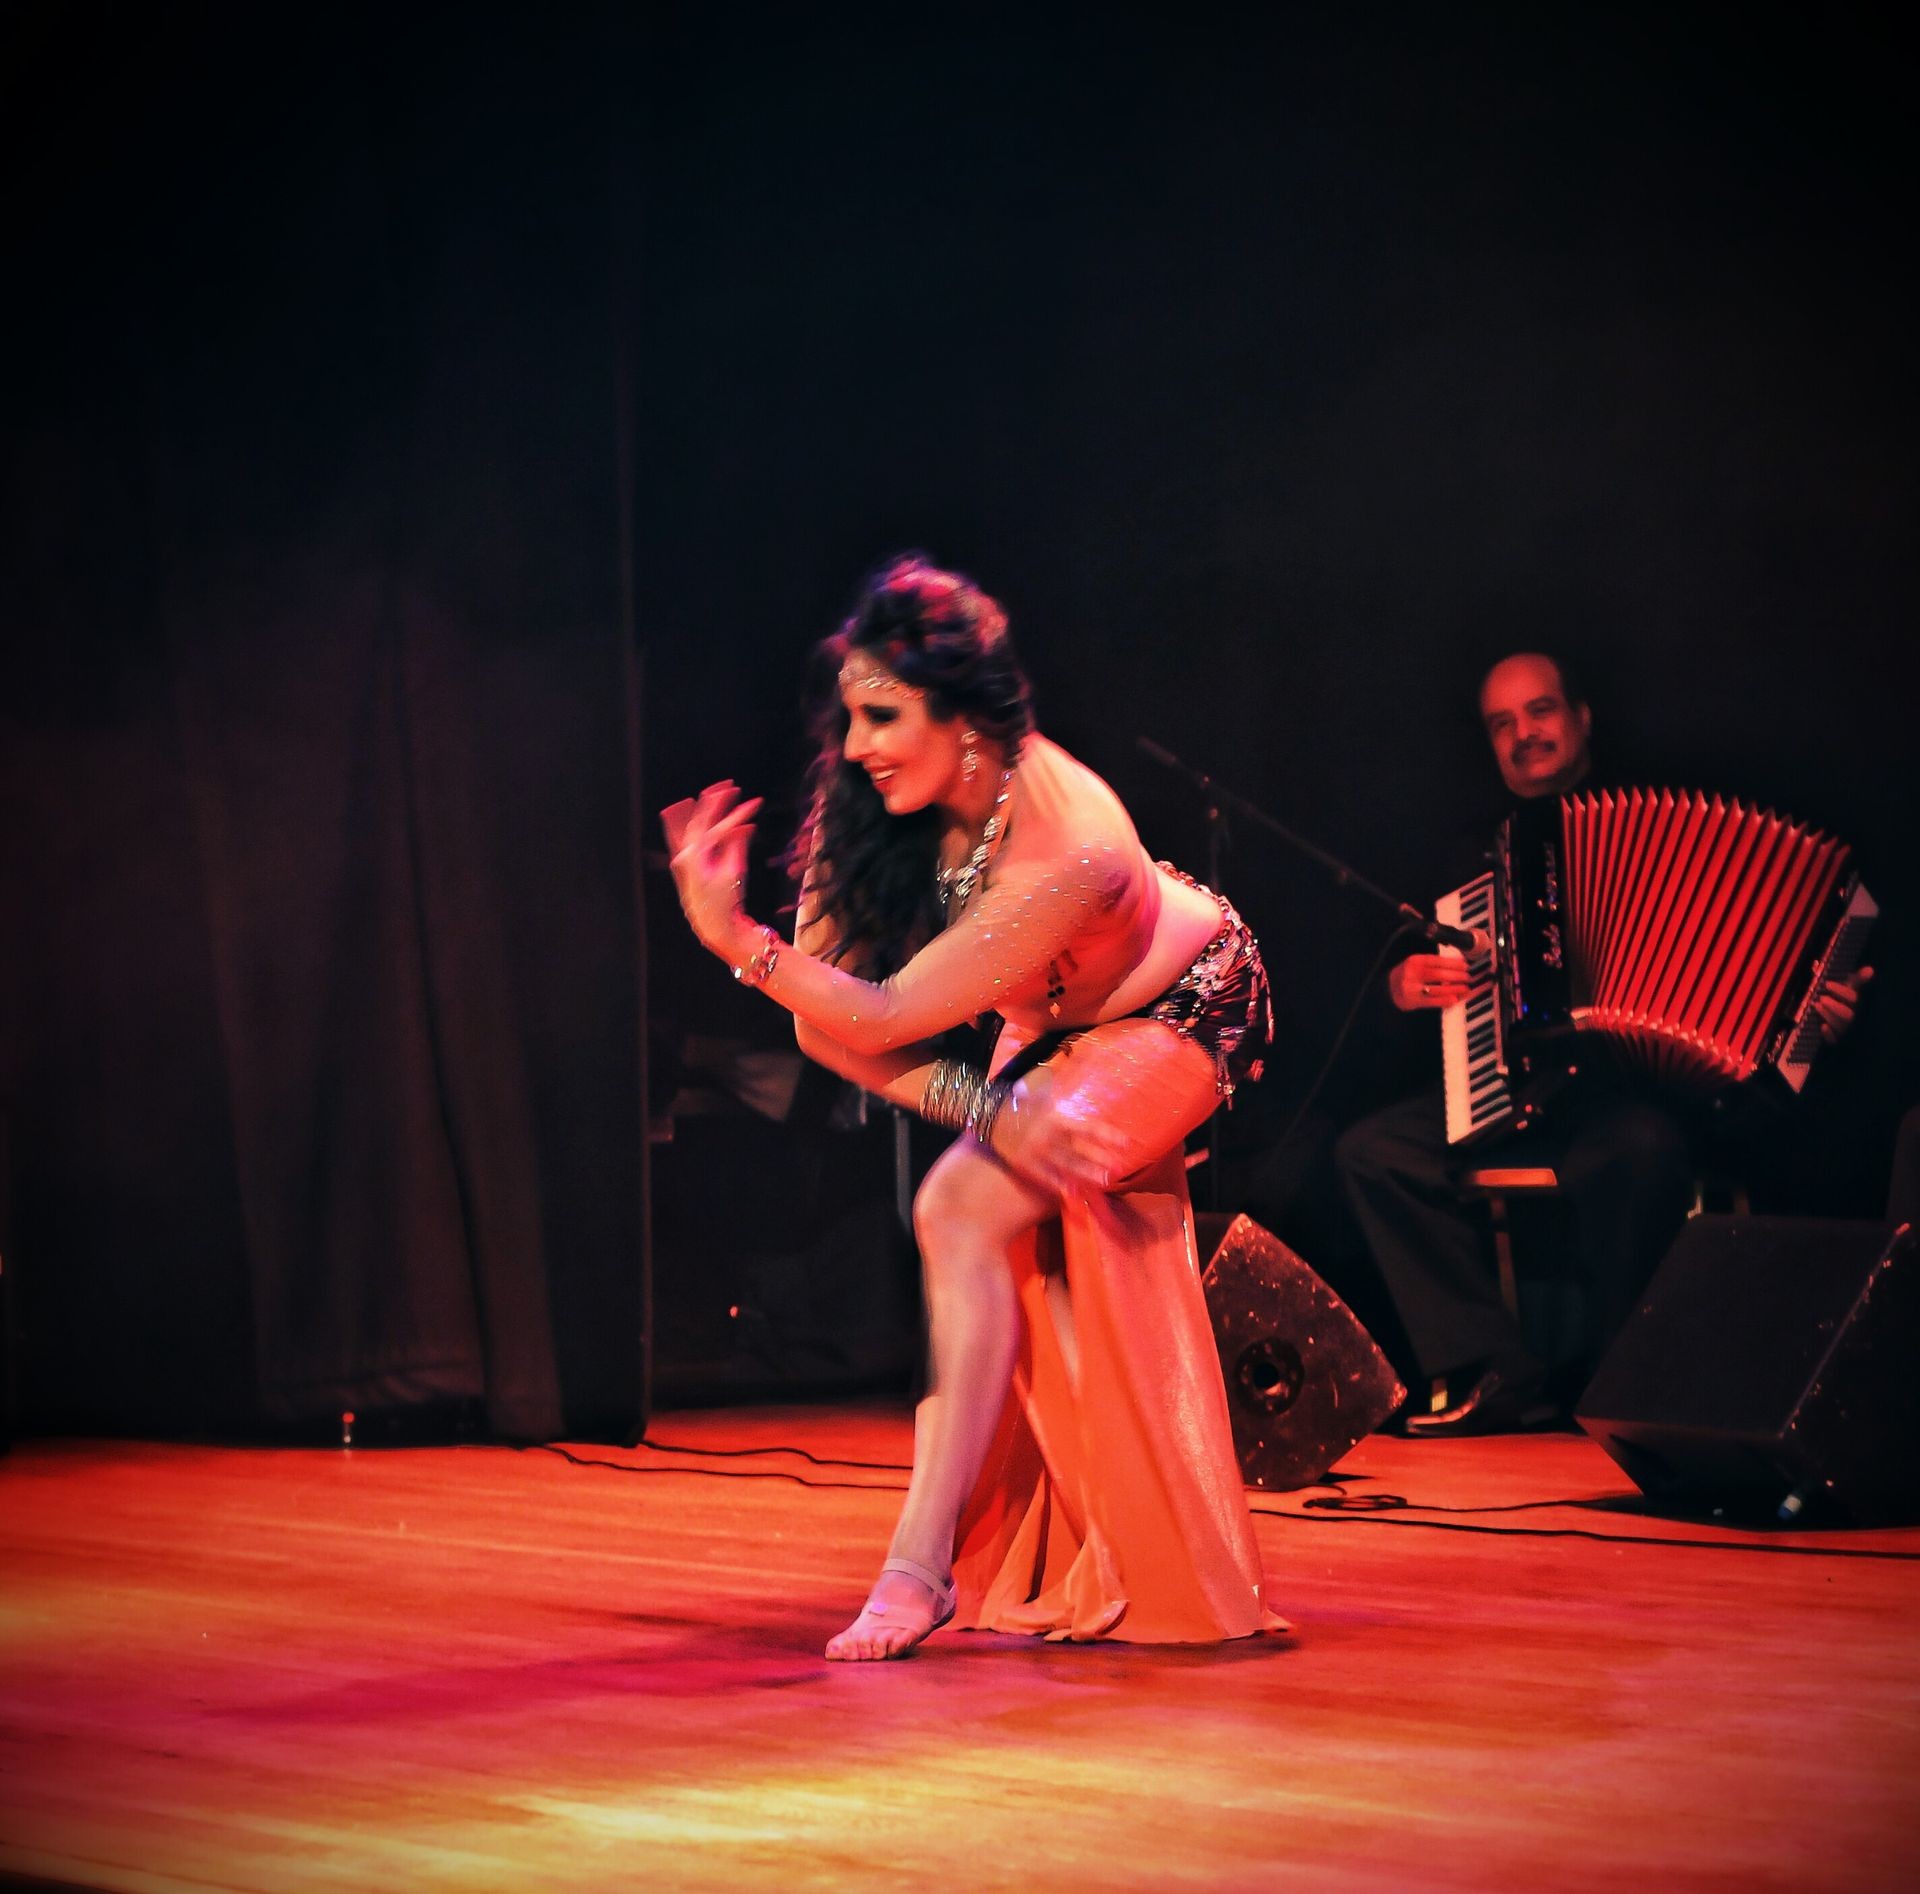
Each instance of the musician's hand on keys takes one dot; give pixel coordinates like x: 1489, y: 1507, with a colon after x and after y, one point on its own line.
x: 1423, y: 980
x: 1837, y: 1001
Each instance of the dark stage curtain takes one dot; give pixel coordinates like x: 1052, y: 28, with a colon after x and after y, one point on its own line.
x: 424, y: 968
x: 325, y: 1065
x: 1279, y: 373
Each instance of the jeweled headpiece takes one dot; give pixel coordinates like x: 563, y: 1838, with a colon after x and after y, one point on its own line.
x: 860, y: 670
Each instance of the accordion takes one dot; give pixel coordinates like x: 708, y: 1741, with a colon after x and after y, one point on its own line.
x: 1689, y: 933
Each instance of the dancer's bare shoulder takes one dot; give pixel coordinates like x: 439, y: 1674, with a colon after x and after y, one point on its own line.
x: 1070, y: 813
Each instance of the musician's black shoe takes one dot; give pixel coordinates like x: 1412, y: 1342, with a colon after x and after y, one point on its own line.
x: 1499, y: 1402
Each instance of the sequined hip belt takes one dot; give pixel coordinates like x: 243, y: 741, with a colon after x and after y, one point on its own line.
x: 1222, y: 1002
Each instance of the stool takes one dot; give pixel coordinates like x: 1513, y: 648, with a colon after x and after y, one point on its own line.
x: 1499, y: 1184
x: 1496, y: 1184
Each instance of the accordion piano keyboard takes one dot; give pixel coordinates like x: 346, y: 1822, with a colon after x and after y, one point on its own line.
x: 1472, y: 1052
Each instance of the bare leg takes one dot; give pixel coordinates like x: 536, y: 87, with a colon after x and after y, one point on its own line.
x: 967, y: 1215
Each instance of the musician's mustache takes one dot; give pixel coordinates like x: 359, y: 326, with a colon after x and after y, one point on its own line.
x: 1532, y: 747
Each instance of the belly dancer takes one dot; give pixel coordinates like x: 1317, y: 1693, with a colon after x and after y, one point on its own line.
x: 1073, y: 1466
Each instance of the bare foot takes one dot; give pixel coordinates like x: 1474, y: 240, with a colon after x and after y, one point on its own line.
x: 904, y: 1606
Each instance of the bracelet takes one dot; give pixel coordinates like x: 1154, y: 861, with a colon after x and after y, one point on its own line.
x: 960, y: 1097
x: 993, y: 1095
x: 953, y: 1089
x: 757, y: 968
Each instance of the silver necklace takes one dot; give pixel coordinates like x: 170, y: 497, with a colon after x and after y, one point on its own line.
x: 957, y: 884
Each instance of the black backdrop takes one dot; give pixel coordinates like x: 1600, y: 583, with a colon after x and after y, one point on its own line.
x: 1277, y: 374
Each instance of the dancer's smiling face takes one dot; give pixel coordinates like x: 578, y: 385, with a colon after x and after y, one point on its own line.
x: 912, y: 758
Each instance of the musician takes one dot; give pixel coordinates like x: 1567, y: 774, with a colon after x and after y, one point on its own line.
x: 1621, y: 1152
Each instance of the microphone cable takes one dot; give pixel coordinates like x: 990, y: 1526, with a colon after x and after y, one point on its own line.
x: 1401, y: 930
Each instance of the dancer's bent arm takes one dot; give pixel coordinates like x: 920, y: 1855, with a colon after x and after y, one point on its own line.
x: 1008, y: 941
x: 1029, y: 916
x: 1050, y: 1147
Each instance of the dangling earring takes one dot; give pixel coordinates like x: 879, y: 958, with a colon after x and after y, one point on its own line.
x: 969, y: 753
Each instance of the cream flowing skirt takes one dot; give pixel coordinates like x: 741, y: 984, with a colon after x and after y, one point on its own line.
x: 1111, y: 1503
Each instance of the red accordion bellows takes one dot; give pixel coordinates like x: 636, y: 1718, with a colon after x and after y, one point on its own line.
x: 1688, y: 917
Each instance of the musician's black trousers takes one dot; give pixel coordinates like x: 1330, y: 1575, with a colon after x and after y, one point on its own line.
x: 1624, y: 1168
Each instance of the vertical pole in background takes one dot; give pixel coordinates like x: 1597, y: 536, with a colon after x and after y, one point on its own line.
x: 903, y: 1170
x: 622, y: 236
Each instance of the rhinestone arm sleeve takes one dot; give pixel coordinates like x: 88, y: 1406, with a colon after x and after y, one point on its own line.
x: 1027, y: 915
x: 900, y: 1077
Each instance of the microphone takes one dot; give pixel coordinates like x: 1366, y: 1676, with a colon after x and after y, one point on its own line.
x: 1471, y: 941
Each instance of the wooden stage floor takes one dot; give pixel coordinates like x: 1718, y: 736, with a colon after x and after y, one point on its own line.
x: 485, y: 1668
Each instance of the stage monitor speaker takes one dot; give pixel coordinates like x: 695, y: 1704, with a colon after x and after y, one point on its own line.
x: 1304, y: 1380
x: 1769, y: 1368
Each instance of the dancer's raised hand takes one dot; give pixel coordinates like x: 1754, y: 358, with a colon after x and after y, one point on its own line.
x: 708, y: 836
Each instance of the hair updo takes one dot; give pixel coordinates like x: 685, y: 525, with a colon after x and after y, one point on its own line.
x: 874, y: 873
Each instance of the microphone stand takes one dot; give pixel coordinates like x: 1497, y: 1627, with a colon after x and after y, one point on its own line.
x: 1219, y: 796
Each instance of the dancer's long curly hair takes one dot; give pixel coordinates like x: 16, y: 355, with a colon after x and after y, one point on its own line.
x: 874, y: 873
